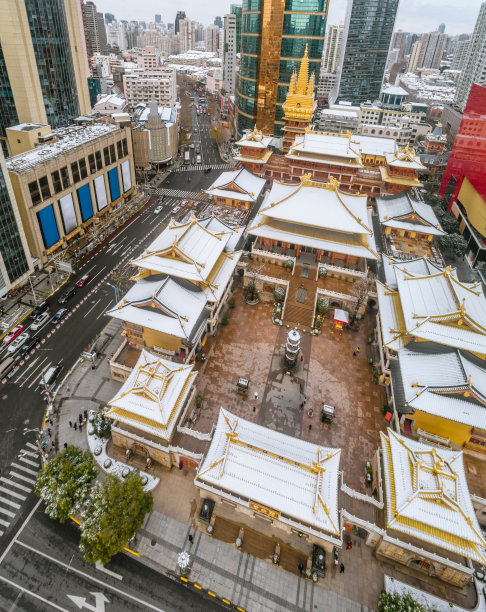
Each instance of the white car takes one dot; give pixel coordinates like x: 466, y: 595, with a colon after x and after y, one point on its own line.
x: 40, y: 321
x: 17, y: 343
x: 157, y: 210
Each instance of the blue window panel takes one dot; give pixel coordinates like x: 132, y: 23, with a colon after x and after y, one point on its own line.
x: 114, y: 184
x: 85, y: 203
x: 48, y: 226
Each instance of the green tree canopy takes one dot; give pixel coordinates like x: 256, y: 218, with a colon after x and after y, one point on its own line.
x: 449, y: 223
x: 453, y: 244
x: 114, y: 513
x: 65, y: 483
x: 101, y: 425
x: 394, y: 602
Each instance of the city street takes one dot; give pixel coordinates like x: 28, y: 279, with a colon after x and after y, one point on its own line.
x: 43, y: 570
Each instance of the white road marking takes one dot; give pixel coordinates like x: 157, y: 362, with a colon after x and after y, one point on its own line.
x: 97, y: 274
x: 12, y: 541
x: 4, y: 523
x: 25, y: 460
x: 7, y: 512
x: 13, y: 494
x: 24, y: 590
x: 99, y: 605
x: 24, y: 469
x: 15, y: 484
x: 10, y: 503
x: 33, y: 371
x: 70, y: 568
x: 29, y: 453
x: 102, y: 568
x: 33, y: 446
x: 24, y: 372
x: 92, y: 307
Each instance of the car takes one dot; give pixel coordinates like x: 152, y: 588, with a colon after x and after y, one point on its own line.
x: 40, y: 321
x: 83, y: 280
x: 13, y: 333
x: 48, y: 379
x: 175, y: 209
x: 39, y: 309
x: 59, y: 316
x: 28, y: 346
x: 18, y: 342
x: 195, y: 130
x: 68, y: 294
x: 158, y: 210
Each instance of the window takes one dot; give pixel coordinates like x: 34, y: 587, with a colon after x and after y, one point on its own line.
x: 119, y: 149
x: 82, y: 168
x: 44, y: 187
x: 112, y: 153
x: 92, y: 163
x: 56, y: 181
x: 106, y: 154
x: 125, y: 147
x: 99, y: 163
x: 75, y: 171
x: 18, y: 140
x: 34, y: 192
x: 65, y: 177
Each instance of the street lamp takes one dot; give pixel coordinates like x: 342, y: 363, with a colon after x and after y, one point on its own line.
x: 32, y: 287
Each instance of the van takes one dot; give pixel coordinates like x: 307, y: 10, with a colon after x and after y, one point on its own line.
x: 6, y: 366
x: 48, y: 380
x: 68, y: 294
x: 39, y: 309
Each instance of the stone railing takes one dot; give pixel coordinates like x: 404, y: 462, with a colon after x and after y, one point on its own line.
x: 360, y: 496
x: 140, y: 439
x: 433, y: 438
x: 340, y: 296
x: 344, y: 271
x: 347, y: 516
x: 196, y: 434
x: 187, y: 453
x: 271, y: 255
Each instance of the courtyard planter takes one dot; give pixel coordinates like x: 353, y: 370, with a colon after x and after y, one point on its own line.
x: 97, y: 451
x: 252, y: 302
x: 107, y: 463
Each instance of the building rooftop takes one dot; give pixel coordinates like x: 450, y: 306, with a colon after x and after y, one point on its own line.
x: 153, y: 396
x: 69, y: 138
x: 427, y: 496
x: 291, y: 477
x: 403, y: 212
x: 28, y: 127
x: 240, y: 185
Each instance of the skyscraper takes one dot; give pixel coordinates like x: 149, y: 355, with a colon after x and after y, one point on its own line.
x: 187, y: 33
x: 432, y: 46
x: 218, y: 22
x: 109, y: 18
x: 43, y: 64
x: 212, y: 38
x: 236, y: 10
x: 229, y: 53
x: 274, y: 35
x: 158, y: 18
x: 475, y: 64
x: 180, y: 15
x: 94, y: 29
x: 460, y: 56
x: 441, y: 28
x: 366, y: 40
x: 414, y: 56
x: 332, y: 45
x: 15, y: 261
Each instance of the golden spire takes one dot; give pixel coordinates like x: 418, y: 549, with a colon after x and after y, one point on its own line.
x: 293, y: 81
x: 310, y: 87
x: 303, y: 74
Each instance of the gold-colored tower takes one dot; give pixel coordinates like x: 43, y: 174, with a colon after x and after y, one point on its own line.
x: 300, y: 104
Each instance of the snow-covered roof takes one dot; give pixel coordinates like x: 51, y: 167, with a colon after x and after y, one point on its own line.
x: 402, y: 211
x: 185, y: 250
x: 294, y: 478
x: 394, y: 90
x: 173, y: 307
x: 427, y: 496
x: 435, y: 307
x: 111, y: 99
x: 254, y: 138
x: 444, y: 382
x: 420, y: 266
x: 240, y: 185
x: 152, y: 397
x: 316, y: 215
x: 404, y: 158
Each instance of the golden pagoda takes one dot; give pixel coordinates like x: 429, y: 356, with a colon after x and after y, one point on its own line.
x: 300, y: 104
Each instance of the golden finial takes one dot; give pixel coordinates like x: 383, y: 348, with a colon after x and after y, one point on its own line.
x: 310, y: 86
x: 303, y: 74
x: 305, y: 179
x: 293, y: 82
x: 334, y: 182
x: 469, y: 383
x: 463, y: 307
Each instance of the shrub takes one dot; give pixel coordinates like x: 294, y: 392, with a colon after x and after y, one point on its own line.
x: 101, y: 425
x: 322, y: 272
x: 240, y: 272
x: 279, y: 294
x: 289, y: 264
x: 231, y: 303
x: 199, y: 400
x: 322, y: 305
x: 317, y: 324
x: 224, y: 321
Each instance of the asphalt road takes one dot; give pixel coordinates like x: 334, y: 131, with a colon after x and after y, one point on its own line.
x: 43, y: 570
x: 202, y: 123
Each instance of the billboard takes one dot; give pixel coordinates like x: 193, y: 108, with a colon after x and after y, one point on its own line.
x: 68, y: 214
x: 85, y: 203
x: 48, y: 226
x: 114, y: 184
x: 127, y: 179
x: 101, y: 199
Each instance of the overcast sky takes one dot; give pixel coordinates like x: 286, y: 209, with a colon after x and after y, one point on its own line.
x: 413, y: 15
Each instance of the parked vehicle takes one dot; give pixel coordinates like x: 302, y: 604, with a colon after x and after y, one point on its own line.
x: 67, y: 295
x: 40, y: 321
x: 28, y: 346
x: 7, y: 366
x: 48, y: 380
x: 13, y: 333
x: 327, y: 413
x: 198, y: 159
x: 187, y: 157
x: 158, y: 210
x: 39, y: 309
x: 83, y: 280
x: 59, y: 316
x: 18, y: 342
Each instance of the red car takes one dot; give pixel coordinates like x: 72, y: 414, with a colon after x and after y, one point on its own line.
x: 83, y: 280
x: 13, y: 333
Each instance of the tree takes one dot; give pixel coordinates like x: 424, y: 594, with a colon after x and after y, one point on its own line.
x: 101, y: 425
x: 453, y: 244
x: 252, y: 273
x: 448, y: 222
x: 115, y: 511
x: 394, y: 602
x: 65, y: 483
x: 361, y: 290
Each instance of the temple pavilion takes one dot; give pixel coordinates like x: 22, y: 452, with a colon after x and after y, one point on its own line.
x: 318, y: 219
x: 236, y: 188
x: 431, y: 525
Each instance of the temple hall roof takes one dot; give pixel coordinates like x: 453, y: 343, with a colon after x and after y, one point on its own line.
x: 294, y: 478
x: 240, y: 185
x: 402, y: 211
x: 427, y: 496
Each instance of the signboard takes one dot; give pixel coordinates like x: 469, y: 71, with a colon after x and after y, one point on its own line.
x: 65, y: 266
x: 264, y: 510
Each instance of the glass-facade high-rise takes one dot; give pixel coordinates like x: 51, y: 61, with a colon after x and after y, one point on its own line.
x: 236, y: 9
x: 274, y: 34
x: 8, y: 112
x: 52, y: 50
x: 367, y: 34
x: 12, y: 246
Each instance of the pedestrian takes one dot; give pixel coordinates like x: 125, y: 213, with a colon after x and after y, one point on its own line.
x: 301, y: 568
x: 354, y: 353
x: 191, y: 538
x: 357, y: 350
x: 254, y: 408
x: 349, y: 545
x: 53, y: 444
x: 48, y: 431
x: 341, y: 568
x: 305, y: 399
x: 302, y: 357
x: 70, y: 423
x: 302, y: 406
x: 80, y: 417
x: 75, y: 426
x: 65, y: 444
x: 50, y: 422
x: 255, y: 395
x: 81, y: 426
x: 310, y: 427
x: 85, y: 414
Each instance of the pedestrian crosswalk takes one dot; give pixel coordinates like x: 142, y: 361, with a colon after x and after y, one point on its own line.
x: 17, y: 483
x: 183, y: 195
x: 203, y: 167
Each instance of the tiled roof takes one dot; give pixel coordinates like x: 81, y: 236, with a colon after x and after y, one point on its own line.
x: 237, y: 184
x: 394, y: 210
